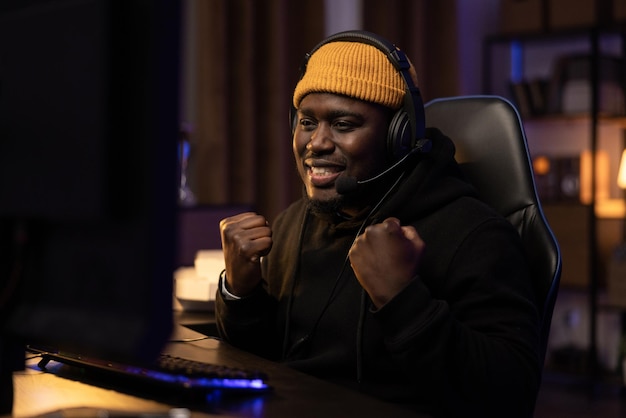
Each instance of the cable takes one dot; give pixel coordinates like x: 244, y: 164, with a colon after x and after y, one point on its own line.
x: 369, y: 218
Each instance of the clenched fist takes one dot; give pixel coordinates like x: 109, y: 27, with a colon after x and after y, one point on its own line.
x: 245, y: 239
x: 385, y: 259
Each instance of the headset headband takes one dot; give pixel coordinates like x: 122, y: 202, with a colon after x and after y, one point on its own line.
x: 412, y: 99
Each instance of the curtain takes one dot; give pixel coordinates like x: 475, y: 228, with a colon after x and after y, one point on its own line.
x: 426, y: 32
x: 246, y: 55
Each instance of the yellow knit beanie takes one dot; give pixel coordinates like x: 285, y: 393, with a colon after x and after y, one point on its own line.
x: 352, y: 69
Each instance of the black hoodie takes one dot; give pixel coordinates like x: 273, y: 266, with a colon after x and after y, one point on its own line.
x: 460, y: 340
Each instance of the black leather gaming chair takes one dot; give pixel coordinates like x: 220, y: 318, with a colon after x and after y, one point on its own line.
x: 492, y: 150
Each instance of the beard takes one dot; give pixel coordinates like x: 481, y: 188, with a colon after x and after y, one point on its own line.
x: 356, y: 201
x: 326, y: 207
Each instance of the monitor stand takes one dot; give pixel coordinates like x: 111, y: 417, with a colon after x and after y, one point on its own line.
x: 6, y: 391
x: 11, y: 360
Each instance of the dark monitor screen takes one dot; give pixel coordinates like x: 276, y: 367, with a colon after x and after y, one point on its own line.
x: 88, y: 136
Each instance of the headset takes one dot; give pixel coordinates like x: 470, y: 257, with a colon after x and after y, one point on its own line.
x: 407, y: 125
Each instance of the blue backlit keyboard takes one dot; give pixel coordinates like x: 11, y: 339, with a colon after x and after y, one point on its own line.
x: 168, y: 373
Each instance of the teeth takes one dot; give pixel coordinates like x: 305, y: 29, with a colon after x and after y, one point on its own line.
x: 322, y: 171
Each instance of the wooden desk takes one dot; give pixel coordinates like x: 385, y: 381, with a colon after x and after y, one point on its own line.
x: 202, y: 322
x: 295, y: 394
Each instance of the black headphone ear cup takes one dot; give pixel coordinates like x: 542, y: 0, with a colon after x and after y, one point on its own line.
x: 399, y: 136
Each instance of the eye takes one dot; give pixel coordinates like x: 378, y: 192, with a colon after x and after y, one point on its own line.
x: 343, y: 125
x: 307, y: 124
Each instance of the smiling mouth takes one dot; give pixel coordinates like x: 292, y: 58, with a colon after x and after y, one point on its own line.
x: 323, y: 175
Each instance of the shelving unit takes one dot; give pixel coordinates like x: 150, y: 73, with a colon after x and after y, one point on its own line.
x: 506, y: 60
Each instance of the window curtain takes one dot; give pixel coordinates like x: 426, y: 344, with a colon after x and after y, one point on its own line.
x: 426, y: 30
x: 246, y: 59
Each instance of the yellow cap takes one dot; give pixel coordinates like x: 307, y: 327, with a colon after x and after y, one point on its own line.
x: 352, y: 69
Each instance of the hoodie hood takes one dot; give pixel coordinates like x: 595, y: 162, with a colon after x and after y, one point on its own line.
x: 435, y: 178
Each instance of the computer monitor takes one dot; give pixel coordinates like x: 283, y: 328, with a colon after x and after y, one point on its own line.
x: 88, y: 156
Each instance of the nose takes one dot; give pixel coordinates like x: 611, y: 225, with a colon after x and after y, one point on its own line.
x: 321, y: 139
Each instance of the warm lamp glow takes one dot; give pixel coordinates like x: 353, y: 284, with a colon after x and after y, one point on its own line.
x: 621, y: 175
x: 541, y: 165
x: 603, y: 178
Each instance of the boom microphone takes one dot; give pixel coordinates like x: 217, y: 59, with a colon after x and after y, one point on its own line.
x: 348, y: 184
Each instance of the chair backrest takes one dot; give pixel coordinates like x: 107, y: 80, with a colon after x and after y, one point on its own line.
x: 492, y: 150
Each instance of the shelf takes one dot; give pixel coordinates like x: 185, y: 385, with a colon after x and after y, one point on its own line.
x: 612, y: 308
x: 513, y: 59
x: 585, y: 233
x: 615, y: 28
x: 619, y: 121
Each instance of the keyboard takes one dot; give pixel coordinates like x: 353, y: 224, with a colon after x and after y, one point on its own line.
x: 169, y: 374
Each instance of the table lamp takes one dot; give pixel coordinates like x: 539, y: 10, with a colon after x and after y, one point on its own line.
x: 621, y: 182
x: 617, y: 264
x: 621, y: 175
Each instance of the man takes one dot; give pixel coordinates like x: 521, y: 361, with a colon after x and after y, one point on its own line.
x: 404, y: 285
